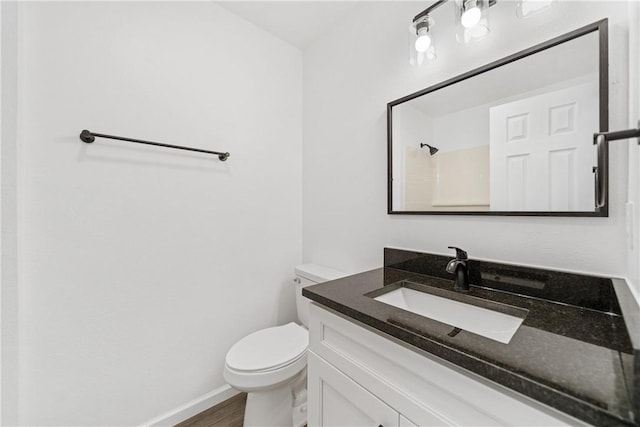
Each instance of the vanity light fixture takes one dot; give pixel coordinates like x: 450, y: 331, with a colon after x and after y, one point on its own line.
x: 432, y: 150
x: 421, y: 40
x: 421, y: 43
x: 471, y: 15
x: 473, y: 19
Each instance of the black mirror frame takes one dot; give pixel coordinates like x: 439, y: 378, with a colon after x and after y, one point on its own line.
x: 602, y: 28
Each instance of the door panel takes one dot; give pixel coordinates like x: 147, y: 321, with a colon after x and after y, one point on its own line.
x: 336, y: 400
x: 541, y: 152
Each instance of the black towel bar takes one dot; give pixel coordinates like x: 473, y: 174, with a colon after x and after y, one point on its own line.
x: 601, y: 171
x: 89, y: 137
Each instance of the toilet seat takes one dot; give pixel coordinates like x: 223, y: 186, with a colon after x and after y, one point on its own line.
x: 267, y: 358
x: 268, y: 349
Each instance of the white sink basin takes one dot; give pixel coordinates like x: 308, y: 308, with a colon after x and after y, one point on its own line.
x: 488, y: 323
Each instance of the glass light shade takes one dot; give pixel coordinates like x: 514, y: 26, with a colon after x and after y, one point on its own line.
x: 526, y: 8
x: 421, y: 44
x: 472, y: 19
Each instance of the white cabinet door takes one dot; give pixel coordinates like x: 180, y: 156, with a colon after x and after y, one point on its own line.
x: 336, y: 400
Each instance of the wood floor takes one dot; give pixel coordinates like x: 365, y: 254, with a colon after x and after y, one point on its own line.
x: 229, y: 413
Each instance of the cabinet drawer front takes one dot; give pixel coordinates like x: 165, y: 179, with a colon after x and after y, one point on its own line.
x: 336, y: 400
x: 418, y: 385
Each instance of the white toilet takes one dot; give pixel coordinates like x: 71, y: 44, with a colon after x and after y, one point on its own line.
x: 270, y: 364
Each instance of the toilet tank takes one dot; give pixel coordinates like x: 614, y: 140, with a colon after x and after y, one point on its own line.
x: 307, y: 275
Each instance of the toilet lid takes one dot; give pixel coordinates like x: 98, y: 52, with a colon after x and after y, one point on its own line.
x: 268, y: 348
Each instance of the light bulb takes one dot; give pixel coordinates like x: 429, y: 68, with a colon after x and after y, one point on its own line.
x: 471, y: 17
x: 423, y: 41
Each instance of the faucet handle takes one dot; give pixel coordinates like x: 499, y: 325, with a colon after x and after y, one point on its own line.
x: 460, y: 254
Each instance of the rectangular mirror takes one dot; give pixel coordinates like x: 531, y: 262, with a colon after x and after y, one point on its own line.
x: 514, y: 137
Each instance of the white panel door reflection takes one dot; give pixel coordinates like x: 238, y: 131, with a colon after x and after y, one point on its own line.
x: 540, y: 151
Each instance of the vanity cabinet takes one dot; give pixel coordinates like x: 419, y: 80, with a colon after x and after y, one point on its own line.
x: 358, y: 376
x: 343, y: 401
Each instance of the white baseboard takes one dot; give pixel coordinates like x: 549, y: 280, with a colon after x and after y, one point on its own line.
x: 194, y: 407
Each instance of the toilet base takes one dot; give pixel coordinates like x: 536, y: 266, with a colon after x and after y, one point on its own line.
x: 274, y: 407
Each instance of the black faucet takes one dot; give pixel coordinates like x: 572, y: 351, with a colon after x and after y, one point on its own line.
x: 458, y: 267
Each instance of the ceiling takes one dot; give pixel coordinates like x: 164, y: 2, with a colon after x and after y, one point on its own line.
x: 296, y: 22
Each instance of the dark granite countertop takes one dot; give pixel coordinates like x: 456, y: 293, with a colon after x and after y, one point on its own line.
x: 573, y: 350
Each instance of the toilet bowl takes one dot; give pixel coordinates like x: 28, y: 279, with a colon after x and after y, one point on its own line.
x: 270, y: 364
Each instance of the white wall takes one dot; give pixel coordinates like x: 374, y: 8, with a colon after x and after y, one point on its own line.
x: 9, y: 219
x: 633, y: 209
x: 355, y: 70
x: 140, y: 266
